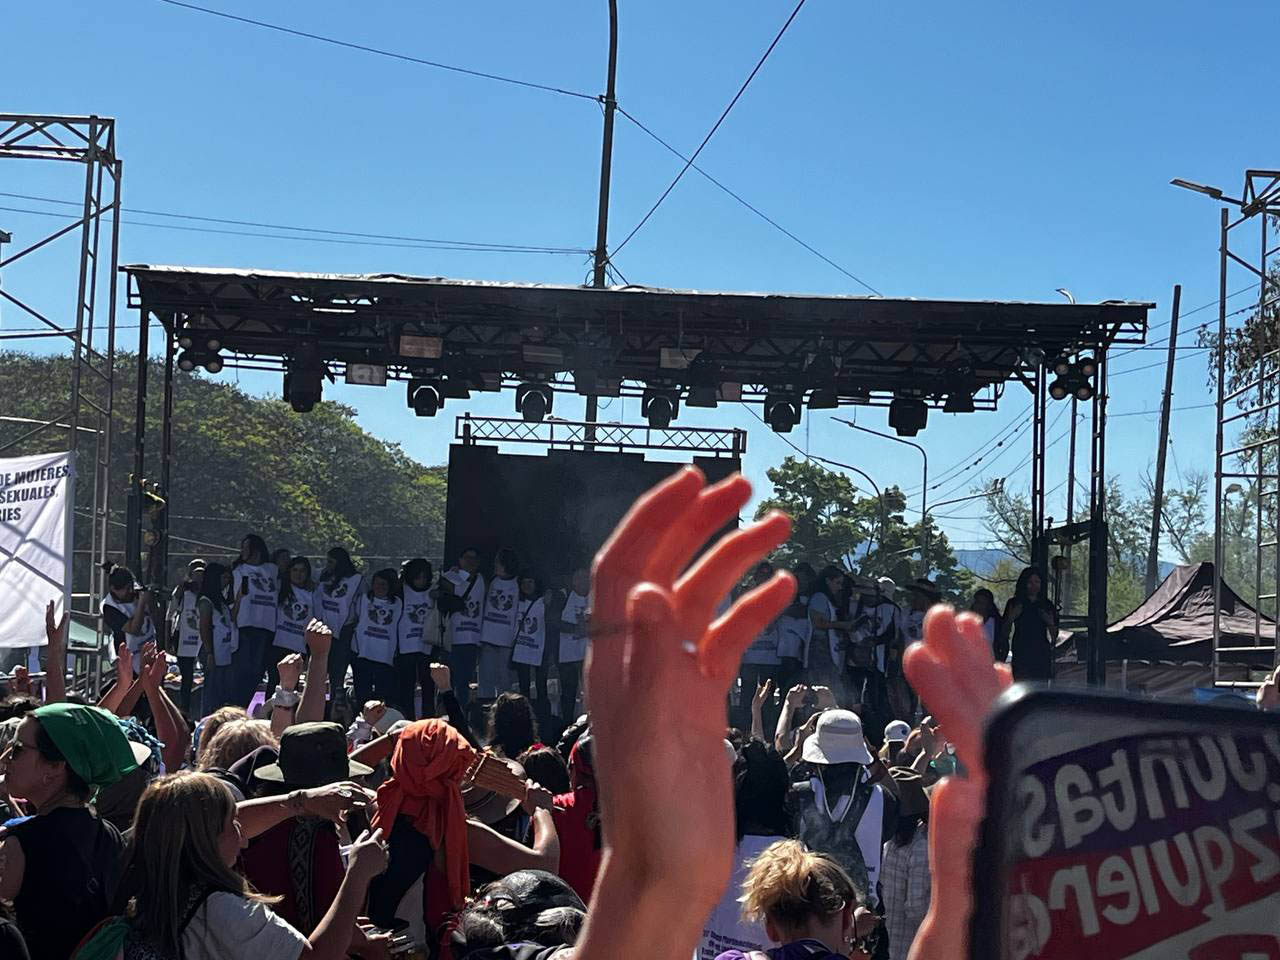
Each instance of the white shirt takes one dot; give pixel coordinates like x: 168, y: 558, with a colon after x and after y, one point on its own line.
x: 465, y: 624
x: 258, y: 606
x: 989, y: 631
x: 377, y: 628
x: 225, y: 640
x: 420, y: 624
x: 498, y: 628
x: 292, y: 617
x: 188, y: 625
x: 794, y: 634
x: 725, y: 929
x: 134, y: 641
x: 573, y: 647
x: 822, y: 604
x: 764, y: 649
x: 233, y: 926
x: 531, y: 633
x: 333, y: 604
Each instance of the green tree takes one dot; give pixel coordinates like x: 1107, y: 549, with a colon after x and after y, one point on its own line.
x: 241, y: 464
x: 832, y: 523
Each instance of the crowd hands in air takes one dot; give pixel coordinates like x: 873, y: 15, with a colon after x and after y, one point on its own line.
x: 650, y: 829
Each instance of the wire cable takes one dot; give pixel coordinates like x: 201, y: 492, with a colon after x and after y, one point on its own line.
x: 453, y: 68
x: 743, y: 201
x: 705, y: 140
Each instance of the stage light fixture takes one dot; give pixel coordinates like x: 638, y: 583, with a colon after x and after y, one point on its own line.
x: 781, y: 411
x: 1087, y: 366
x: 823, y: 398
x: 908, y: 416
x: 533, y: 401
x: 586, y: 381
x: 1060, y: 389
x: 185, y: 340
x: 959, y: 401
x: 1084, y: 390
x: 704, y: 377
x: 424, y: 398
x: 660, y: 406
x: 1062, y: 366
x: 455, y: 388
x: 213, y: 344
x: 213, y: 363
x: 303, y: 387
x: 187, y: 361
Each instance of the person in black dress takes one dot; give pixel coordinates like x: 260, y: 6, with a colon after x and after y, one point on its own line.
x: 1029, y: 624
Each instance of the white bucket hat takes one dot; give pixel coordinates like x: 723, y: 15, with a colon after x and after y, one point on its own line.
x: 837, y: 739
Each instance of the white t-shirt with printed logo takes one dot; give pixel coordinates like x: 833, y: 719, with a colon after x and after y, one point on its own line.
x: 258, y: 606
x: 573, y: 644
x: 419, y: 624
x: 764, y: 649
x: 465, y: 624
x: 293, y: 615
x: 333, y: 603
x: 377, y: 628
x: 501, y: 608
x: 188, y: 624
x: 531, y: 632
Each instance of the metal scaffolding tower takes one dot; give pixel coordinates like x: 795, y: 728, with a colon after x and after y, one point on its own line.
x: 89, y: 326
x: 1247, y: 444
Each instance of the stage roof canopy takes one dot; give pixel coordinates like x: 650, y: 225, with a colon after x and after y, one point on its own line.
x: 488, y: 335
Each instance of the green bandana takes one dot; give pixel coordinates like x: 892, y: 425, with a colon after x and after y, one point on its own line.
x: 91, y: 741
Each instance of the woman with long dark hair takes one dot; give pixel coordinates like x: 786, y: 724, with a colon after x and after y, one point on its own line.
x: 374, y: 641
x: 335, y: 603
x: 984, y: 605
x: 1029, y: 625
x: 294, y: 610
x: 257, y: 585
x: 829, y: 631
x: 186, y: 629
x: 220, y: 640
x: 418, y: 637
x: 128, y: 612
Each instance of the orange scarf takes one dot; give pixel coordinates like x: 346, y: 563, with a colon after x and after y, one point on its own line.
x: 428, y: 764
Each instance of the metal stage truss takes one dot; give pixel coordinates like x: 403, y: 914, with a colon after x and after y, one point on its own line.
x: 612, y: 437
x: 695, y: 348
x: 1248, y: 431
x: 88, y: 327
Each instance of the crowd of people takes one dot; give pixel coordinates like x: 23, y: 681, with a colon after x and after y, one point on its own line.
x: 236, y: 818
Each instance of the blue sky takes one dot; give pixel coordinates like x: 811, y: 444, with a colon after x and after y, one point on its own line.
x: 990, y: 151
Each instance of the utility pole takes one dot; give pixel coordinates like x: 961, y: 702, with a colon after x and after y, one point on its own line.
x: 606, y: 171
x: 1065, y: 598
x: 1157, y: 500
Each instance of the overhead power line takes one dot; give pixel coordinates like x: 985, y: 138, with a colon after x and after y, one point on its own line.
x: 710, y: 133
x: 759, y: 213
x: 346, y: 238
x: 452, y: 68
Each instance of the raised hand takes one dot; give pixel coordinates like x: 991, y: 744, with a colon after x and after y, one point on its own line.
x: 319, y: 638
x: 20, y: 682
x: 796, y: 695
x: 154, y: 668
x: 763, y: 693
x: 335, y: 801
x: 55, y: 631
x: 368, y: 855
x: 952, y: 671
x: 124, y: 666
x: 536, y: 797
x: 440, y: 677
x: 290, y: 669
x: 826, y: 698
x: 1268, y: 696
x: 658, y: 674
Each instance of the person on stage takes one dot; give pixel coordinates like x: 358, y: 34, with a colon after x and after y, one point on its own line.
x: 418, y: 639
x: 573, y: 643
x: 465, y: 608
x: 375, y: 638
x: 295, y: 608
x: 1028, y: 628
x: 257, y: 585
x: 531, y: 645
x: 335, y: 602
x: 498, y: 628
x: 129, y: 613
x: 185, y: 630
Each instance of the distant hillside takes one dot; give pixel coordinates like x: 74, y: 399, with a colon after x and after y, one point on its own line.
x: 981, y: 563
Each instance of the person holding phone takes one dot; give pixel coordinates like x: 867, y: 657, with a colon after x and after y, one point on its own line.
x: 1028, y: 628
x: 128, y: 613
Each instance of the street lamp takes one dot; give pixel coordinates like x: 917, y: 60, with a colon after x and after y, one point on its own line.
x: 1213, y: 192
x: 924, y: 489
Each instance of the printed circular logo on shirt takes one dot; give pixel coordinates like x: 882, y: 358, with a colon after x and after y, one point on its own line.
x: 380, y: 615
x: 529, y: 625
x: 262, y: 584
x: 295, y: 611
x: 189, y: 620
x: 503, y: 601
x: 339, y: 591
x: 416, y: 613
x: 473, y: 608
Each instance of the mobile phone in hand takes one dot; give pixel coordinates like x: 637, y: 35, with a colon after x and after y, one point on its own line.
x: 1125, y: 828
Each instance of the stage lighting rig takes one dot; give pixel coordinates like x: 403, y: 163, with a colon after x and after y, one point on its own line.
x: 908, y: 416
x: 534, y: 401
x: 659, y: 406
x: 1074, y: 379
x: 704, y: 382
x: 425, y: 397
x: 781, y: 411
